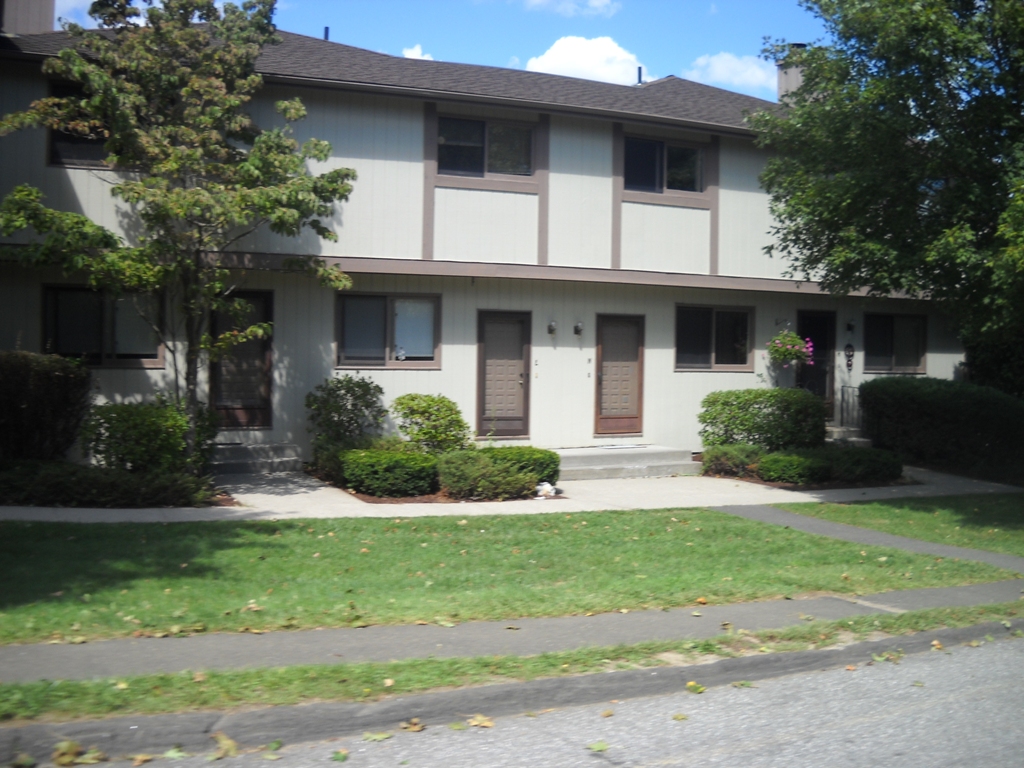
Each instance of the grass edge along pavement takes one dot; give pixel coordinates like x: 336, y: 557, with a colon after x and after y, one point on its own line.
x: 50, y: 701
x: 991, y: 522
x: 68, y: 582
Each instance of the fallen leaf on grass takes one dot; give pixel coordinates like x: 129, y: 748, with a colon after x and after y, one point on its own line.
x: 443, y: 622
x: 122, y: 686
x: 79, y: 640
x: 1006, y: 624
x: 607, y: 713
x: 275, y: 745
x: 23, y: 760
x: 271, y: 756
x: 340, y: 756
x: 460, y: 726
x: 936, y: 645
x: 917, y: 684
x: 382, y: 736
x: 598, y: 746
x: 680, y: 716
x: 511, y: 627
x: 974, y: 643
x: 68, y: 753
x: 851, y: 667
x: 695, y: 687
x: 421, y: 622
x: 138, y: 760
x: 388, y: 682
x: 480, y: 721
x: 696, y: 613
x: 199, y: 677
x: 413, y: 725
x: 175, y: 753
x: 702, y: 600
x: 226, y: 746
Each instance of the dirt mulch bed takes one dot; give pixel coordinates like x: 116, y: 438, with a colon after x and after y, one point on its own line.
x: 818, y: 486
x: 434, y: 498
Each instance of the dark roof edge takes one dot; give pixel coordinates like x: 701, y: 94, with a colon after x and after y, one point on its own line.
x: 538, y: 106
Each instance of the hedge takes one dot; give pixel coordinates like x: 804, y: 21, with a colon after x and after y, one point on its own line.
x: 832, y: 463
x: 479, y: 474
x: 546, y: 465
x: 43, y: 400
x: 771, y: 419
x: 735, y: 460
x: 946, y: 424
x: 389, y: 473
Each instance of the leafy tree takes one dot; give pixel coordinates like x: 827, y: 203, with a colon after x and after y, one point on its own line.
x: 169, y: 97
x: 898, y: 165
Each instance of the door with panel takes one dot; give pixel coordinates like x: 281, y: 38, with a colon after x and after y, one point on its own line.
x: 503, y: 396
x: 620, y: 385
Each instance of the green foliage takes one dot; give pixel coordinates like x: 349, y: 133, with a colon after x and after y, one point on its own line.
x: 146, y: 437
x: 831, y: 463
x: 734, y: 460
x: 389, y: 473
x: 477, y: 474
x: 63, y: 484
x: 786, y: 348
x: 344, y: 412
x: 431, y: 422
x: 536, y: 461
x: 170, y: 96
x: 769, y: 418
x: 946, y: 424
x: 898, y: 165
x: 43, y: 400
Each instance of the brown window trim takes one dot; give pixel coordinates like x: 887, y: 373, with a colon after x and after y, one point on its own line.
x: 491, y: 182
x: 923, y: 368
x: 715, y: 367
x: 389, y: 332
x: 109, y: 362
x: 678, y: 198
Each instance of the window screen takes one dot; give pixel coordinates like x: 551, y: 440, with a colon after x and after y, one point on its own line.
x: 460, y: 147
x: 683, y: 169
x: 642, y: 170
x: 364, y: 323
x: 509, y: 149
x: 414, y: 329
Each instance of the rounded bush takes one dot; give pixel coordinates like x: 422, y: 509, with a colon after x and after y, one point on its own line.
x: 733, y: 460
x: 800, y: 468
x: 431, y: 422
x: 389, y: 473
x: 476, y: 474
x: 772, y: 419
x: 545, y: 464
x: 343, y: 412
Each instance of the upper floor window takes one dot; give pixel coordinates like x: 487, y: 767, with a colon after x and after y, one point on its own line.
x: 99, y: 329
x: 654, y: 166
x: 713, y: 338
x: 388, y: 331
x: 72, y: 149
x: 894, y: 343
x: 479, y: 147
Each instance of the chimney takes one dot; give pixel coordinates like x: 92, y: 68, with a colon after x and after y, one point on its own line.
x: 790, y: 77
x: 26, y: 17
x: 327, y: 33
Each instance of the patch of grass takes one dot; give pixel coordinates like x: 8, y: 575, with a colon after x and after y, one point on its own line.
x: 982, y: 521
x: 188, y: 691
x: 75, y: 581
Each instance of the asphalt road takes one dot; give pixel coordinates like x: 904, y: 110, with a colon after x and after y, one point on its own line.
x: 960, y: 706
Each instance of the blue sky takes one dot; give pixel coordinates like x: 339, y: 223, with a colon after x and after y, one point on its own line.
x: 712, y: 41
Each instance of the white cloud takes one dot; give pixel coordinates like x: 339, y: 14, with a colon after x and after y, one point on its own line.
x: 728, y: 69
x: 416, y: 52
x: 576, y: 7
x: 73, y: 10
x: 513, y: 62
x: 600, y: 58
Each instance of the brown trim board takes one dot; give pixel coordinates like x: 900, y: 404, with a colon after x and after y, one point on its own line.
x: 542, y: 166
x: 618, y: 187
x: 429, y: 176
x: 711, y: 187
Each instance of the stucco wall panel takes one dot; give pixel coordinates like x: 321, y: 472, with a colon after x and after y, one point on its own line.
x: 476, y: 225
x: 664, y: 238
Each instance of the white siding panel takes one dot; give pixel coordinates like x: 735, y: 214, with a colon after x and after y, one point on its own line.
x: 580, y: 203
x: 744, y: 218
x: 494, y: 227
x: 663, y: 238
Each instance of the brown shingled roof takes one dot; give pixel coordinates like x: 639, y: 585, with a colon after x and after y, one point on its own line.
x: 302, y: 58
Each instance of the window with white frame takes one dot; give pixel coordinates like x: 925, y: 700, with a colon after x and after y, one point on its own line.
x: 388, y: 331
x: 483, y: 147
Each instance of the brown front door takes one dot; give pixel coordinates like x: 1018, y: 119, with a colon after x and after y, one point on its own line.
x: 504, y: 377
x: 820, y: 328
x: 241, y: 379
x: 620, y: 380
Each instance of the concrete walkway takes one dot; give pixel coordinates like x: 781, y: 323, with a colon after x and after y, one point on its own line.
x: 297, y: 495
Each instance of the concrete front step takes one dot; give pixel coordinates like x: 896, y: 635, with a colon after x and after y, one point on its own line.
x: 235, y: 459
x: 850, y: 436
x: 608, y: 462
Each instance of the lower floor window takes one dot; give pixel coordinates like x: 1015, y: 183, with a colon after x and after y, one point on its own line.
x: 388, y: 331
x: 707, y: 337
x: 99, y: 329
x: 894, y: 343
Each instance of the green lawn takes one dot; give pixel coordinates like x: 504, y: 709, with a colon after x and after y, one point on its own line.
x: 87, y: 581
x: 983, y: 521
x: 186, y: 691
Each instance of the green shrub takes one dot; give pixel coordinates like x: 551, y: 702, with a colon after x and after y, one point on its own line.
x: 733, y: 460
x: 545, y: 465
x: 146, y: 437
x: 942, y: 424
x: 389, y: 473
x: 63, y: 484
x: 865, y: 465
x: 43, y: 400
x: 431, y: 422
x: 772, y: 419
x: 476, y: 474
x: 799, y: 467
x: 344, y: 413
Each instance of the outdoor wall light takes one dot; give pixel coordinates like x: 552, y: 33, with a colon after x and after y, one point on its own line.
x: 552, y: 327
x: 848, y: 353
x: 578, y: 329
x: 849, y: 326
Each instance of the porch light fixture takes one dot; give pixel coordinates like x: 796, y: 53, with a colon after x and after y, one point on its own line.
x: 578, y: 329
x: 552, y: 327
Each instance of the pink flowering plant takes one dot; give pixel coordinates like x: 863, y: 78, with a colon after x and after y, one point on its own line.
x: 787, y: 349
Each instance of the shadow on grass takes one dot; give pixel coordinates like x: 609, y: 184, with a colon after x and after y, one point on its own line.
x: 39, y: 560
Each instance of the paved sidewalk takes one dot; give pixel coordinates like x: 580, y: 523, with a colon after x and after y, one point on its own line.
x: 297, y: 495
